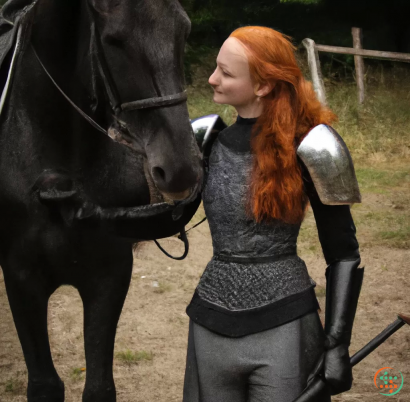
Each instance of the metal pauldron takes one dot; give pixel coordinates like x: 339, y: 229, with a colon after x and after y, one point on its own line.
x: 330, y: 166
x: 206, y: 128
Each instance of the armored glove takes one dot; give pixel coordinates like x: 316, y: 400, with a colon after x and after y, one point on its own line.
x: 344, y: 280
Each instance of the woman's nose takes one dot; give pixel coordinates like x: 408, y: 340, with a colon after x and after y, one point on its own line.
x: 213, y: 79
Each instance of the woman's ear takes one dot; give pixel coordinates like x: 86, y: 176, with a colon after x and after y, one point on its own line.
x: 262, y: 90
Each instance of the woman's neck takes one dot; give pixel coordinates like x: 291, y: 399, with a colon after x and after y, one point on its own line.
x: 250, y: 111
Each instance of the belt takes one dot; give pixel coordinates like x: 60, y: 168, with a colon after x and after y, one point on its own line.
x: 255, y: 259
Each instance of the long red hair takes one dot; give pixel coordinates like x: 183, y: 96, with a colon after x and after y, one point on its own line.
x: 290, y: 110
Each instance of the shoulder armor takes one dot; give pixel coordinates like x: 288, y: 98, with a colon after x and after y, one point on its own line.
x: 206, y: 128
x: 330, y: 166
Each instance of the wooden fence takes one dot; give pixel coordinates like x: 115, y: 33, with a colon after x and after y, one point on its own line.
x: 359, y: 53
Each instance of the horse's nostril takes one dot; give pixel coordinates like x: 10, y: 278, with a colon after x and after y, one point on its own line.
x: 158, y: 174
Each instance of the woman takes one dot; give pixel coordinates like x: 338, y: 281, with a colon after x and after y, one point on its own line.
x: 255, y: 334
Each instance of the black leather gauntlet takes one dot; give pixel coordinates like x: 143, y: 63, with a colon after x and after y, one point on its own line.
x: 344, y: 281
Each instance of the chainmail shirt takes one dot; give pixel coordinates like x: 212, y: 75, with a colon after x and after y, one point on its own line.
x: 244, y: 285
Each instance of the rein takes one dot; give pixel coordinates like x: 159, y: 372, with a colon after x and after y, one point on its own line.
x: 182, y: 236
x: 118, y: 107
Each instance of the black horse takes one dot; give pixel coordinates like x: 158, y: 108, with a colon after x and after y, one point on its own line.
x: 72, y: 199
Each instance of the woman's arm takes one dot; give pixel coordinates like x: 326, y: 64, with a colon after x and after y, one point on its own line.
x: 337, y: 235
x: 335, y: 226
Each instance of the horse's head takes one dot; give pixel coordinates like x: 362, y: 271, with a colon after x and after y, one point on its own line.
x: 142, y: 43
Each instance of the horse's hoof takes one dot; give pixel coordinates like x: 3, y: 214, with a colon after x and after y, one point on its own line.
x: 99, y: 394
x: 45, y: 391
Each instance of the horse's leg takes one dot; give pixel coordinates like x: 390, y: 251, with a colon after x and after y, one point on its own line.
x: 28, y: 294
x: 103, y: 298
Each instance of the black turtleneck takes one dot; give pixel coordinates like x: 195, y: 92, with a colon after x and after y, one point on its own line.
x: 238, y: 136
x: 246, y: 120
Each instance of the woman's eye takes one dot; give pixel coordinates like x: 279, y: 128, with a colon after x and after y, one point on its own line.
x: 225, y: 73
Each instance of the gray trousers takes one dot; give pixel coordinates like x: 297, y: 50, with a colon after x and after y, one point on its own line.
x: 270, y: 366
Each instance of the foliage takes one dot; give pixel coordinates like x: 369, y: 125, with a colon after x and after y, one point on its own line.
x: 329, y: 22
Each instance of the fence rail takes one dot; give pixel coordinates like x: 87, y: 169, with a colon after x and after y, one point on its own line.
x: 404, y: 57
x: 314, y: 63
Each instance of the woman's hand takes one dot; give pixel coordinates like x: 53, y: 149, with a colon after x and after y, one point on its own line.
x: 337, y: 369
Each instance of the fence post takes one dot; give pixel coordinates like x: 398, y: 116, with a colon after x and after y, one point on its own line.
x: 315, y: 71
x: 359, y: 64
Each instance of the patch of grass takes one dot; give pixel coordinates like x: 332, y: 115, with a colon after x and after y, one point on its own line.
x: 14, y: 386
x: 77, y: 373
x: 129, y: 357
x: 370, y: 178
x: 162, y: 288
x: 399, y: 238
x: 308, y: 240
x: 320, y: 291
x: 377, y: 130
x: 388, y: 227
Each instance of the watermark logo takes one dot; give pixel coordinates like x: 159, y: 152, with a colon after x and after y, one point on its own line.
x: 389, y: 381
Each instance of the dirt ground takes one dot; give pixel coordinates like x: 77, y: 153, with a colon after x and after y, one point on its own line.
x: 154, y: 322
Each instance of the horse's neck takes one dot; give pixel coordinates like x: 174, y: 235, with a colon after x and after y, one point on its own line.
x: 61, y: 36
x: 34, y: 102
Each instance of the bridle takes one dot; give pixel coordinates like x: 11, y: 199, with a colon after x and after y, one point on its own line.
x: 111, y: 89
x: 118, y: 107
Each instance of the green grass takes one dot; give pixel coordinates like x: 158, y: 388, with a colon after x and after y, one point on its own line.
x: 162, y: 288
x: 320, y: 291
x: 399, y: 238
x: 383, y: 225
x: 14, y: 386
x: 129, y: 357
x: 370, y: 178
x: 77, y: 373
x: 378, y: 130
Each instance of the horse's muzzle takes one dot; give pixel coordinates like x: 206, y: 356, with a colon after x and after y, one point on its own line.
x: 157, y: 196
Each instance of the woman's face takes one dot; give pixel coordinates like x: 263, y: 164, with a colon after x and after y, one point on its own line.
x: 231, y: 80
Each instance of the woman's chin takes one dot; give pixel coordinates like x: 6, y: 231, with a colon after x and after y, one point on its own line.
x: 218, y: 99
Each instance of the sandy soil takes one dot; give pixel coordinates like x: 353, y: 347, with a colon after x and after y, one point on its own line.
x: 154, y: 320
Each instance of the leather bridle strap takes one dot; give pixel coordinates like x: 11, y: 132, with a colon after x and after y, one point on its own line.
x: 182, y: 236
x: 85, y: 115
x: 111, y: 89
x: 116, y: 106
x: 155, y: 102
